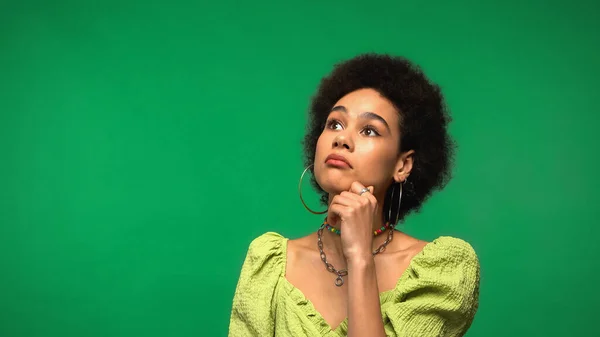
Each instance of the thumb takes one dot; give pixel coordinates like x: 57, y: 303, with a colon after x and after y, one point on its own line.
x: 332, y: 218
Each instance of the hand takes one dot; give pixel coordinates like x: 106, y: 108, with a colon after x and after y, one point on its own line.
x: 353, y: 214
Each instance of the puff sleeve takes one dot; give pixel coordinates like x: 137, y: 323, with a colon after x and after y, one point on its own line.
x: 252, y: 313
x: 439, y: 292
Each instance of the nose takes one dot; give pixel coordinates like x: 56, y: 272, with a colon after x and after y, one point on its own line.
x: 342, y: 140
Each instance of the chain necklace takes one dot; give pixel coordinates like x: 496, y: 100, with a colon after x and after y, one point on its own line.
x: 339, y: 280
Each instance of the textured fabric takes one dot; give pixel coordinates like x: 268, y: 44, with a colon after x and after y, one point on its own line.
x: 437, y: 295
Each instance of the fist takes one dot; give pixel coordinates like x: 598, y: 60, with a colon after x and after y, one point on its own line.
x: 353, y: 213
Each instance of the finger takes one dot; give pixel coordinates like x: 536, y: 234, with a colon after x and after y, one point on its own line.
x: 371, y: 195
x: 346, y: 199
x: 356, y: 201
x: 335, y: 214
x: 371, y: 198
x: 350, y: 195
x: 368, y: 196
x: 339, y: 210
x: 356, y: 187
x: 362, y: 199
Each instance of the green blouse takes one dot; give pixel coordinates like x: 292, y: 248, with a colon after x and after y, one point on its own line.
x: 437, y: 295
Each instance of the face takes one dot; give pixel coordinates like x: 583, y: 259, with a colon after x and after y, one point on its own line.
x: 360, y: 143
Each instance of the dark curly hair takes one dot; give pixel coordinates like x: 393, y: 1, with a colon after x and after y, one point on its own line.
x: 424, y: 119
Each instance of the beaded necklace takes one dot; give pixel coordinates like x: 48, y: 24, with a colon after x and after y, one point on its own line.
x: 337, y: 231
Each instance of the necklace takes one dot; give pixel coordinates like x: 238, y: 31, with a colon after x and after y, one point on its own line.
x: 339, y: 280
x: 376, y: 232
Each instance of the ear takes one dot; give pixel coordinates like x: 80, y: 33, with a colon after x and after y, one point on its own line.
x: 404, y: 166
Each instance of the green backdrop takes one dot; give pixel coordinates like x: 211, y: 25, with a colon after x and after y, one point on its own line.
x: 145, y: 144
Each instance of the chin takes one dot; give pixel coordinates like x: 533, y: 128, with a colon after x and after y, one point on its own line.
x: 332, y: 180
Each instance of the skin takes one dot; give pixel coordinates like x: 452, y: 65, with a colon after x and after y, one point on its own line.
x: 362, y: 127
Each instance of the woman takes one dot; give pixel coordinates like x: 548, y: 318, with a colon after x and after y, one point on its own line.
x: 377, y: 145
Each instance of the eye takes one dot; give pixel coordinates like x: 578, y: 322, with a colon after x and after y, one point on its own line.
x: 334, y: 124
x: 370, y: 131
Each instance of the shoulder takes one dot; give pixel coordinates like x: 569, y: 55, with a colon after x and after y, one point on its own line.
x: 438, y: 295
x: 266, y: 250
x: 447, y: 260
x: 252, y: 311
x: 447, y: 250
x: 448, y: 245
x: 303, y: 243
x: 301, y: 250
x: 266, y: 242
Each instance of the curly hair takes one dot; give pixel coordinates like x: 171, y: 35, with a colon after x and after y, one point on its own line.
x: 424, y: 119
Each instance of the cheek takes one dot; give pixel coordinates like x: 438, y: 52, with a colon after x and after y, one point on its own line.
x: 321, y: 146
x: 377, y: 157
x: 322, y: 150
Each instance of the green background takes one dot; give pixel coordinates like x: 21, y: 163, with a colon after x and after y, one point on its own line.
x: 145, y: 144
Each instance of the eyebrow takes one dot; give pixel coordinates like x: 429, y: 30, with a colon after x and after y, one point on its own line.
x: 367, y: 115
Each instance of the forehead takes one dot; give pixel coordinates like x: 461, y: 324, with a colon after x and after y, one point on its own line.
x: 369, y: 100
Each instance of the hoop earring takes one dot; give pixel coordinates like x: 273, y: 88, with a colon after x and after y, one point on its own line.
x: 300, y: 192
x: 399, y: 201
x: 394, y: 200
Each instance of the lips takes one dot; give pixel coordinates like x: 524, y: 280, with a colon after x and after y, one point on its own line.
x: 337, y: 160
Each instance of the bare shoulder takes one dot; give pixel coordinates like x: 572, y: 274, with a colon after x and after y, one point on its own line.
x: 299, y: 248
x: 303, y: 242
x: 408, y: 245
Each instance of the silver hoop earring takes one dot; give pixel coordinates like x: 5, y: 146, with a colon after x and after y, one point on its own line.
x: 399, y: 202
x: 300, y: 192
x: 390, y: 205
